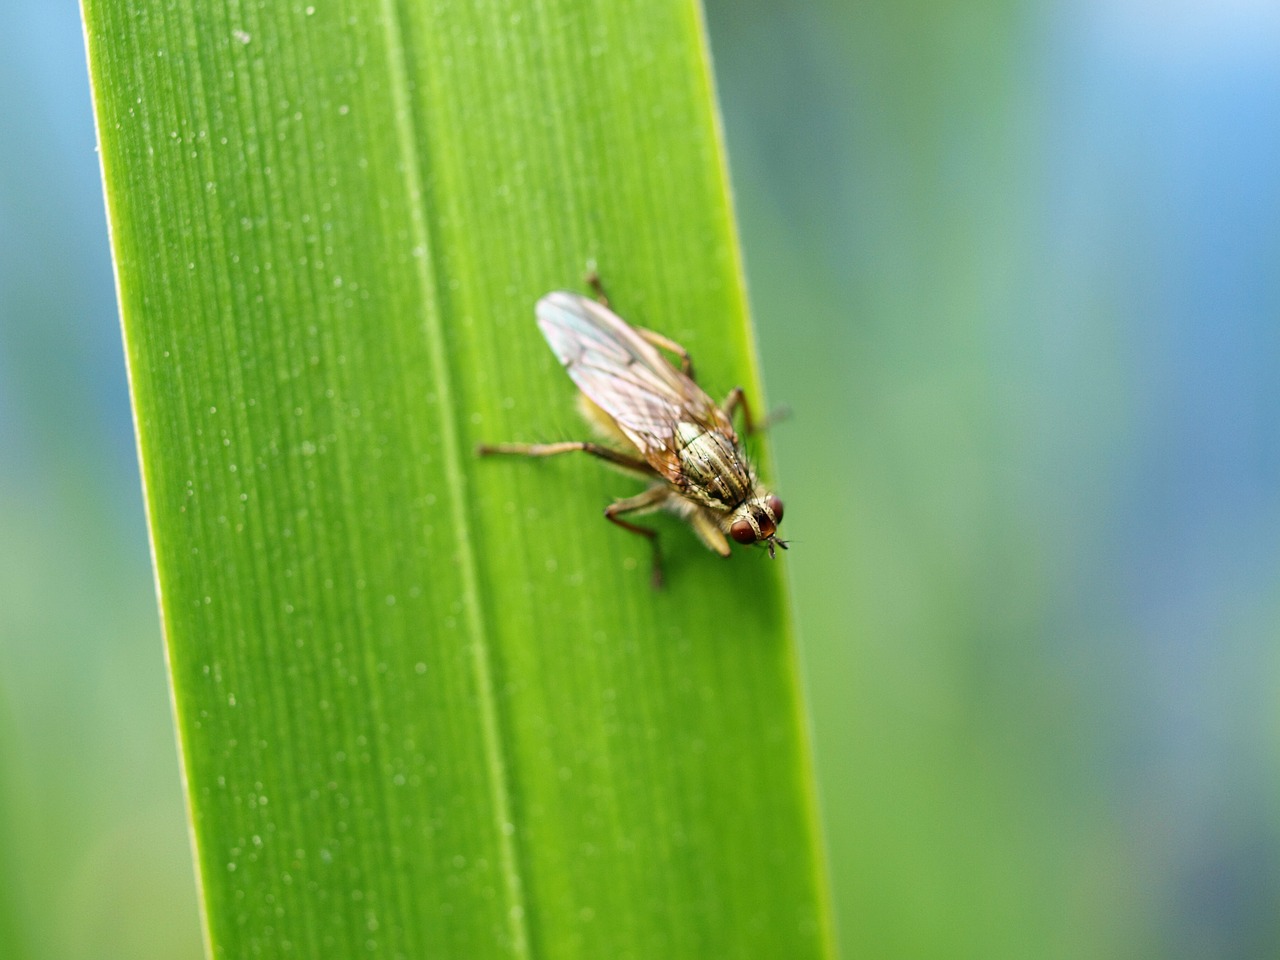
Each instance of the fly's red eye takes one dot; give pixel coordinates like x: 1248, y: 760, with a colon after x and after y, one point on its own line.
x: 775, y: 507
x: 742, y: 532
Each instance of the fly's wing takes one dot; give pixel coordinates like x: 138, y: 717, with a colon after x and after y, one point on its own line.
x: 625, y: 376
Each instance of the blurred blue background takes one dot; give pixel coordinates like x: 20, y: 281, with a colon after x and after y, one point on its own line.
x: 1016, y: 268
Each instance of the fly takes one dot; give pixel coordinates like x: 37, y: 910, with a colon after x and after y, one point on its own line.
x: 663, y: 427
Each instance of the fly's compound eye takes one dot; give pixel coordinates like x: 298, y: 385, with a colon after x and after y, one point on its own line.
x: 775, y: 507
x: 742, y: 532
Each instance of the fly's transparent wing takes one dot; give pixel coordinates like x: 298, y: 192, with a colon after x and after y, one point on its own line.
x: 625, y: 376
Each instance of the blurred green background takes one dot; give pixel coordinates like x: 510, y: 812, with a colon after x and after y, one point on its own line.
x: 1016, y: 268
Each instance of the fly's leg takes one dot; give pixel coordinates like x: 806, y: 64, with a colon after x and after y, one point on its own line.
x: 597, y: 287
x: 732, y: 402
x: 657, y: 339
x: 552, y: 449
x: 737, y: 398
x: 709, y: 532
x: 651, y: 498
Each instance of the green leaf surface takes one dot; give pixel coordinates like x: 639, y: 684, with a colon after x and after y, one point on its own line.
x: 428, y: 705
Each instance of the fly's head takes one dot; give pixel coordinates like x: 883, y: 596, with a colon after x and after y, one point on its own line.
x: 756, y: 521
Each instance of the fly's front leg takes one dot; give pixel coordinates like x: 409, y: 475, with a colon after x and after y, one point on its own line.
x: 650, y: 499
x: 737, y: 398
x: 634, y: 464
x: 709, y: 532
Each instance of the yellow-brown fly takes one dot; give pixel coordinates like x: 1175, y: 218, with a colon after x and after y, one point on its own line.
x: 683, y: 442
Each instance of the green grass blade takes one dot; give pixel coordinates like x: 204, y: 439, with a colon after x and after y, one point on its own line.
x: 14, y: 933
x: 428, y: 705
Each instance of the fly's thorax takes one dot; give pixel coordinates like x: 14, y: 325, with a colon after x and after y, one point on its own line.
x: 714, y: 468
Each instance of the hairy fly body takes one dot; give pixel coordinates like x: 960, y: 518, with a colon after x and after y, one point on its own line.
x: 663, y: 427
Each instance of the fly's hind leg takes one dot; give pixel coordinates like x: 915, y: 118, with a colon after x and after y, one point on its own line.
x: 597, y: 287
x: 737, y: 398
x: 635, y: 464
x: 657, y: 339
x: 652, y: 498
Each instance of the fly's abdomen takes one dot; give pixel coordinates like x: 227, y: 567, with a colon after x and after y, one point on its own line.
x: 712, y: 466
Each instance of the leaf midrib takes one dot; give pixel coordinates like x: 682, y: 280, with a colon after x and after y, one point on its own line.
x: 496, y: 761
